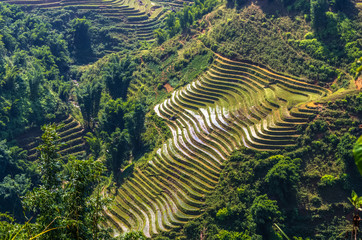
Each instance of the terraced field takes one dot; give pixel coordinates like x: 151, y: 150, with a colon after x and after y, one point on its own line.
x: 233, y: 104
x: 71, y: 134
x: 140, y: 17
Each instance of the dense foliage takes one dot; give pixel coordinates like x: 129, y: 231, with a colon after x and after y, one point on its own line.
x: 291, y: 45
x: 296, y: 188
x: 51, y: 65
x: 67, y: 202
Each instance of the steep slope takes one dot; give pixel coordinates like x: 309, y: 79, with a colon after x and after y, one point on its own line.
x: 233, y: 104
x: 71, y: 134
x: 131, y: 17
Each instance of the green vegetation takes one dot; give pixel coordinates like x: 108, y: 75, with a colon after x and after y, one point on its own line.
x: 180, y: 120
x: 357, y: 151
x: 67, y: 201
x: 248, y: 184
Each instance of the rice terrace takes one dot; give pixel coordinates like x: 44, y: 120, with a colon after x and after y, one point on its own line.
x: 234, y: 104
x: 180, y: 119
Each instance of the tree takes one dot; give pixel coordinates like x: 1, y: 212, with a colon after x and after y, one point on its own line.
x: 264, y: 212
x: 135, y: 124
x: 133, y: 236
x: 89, y: 96
x: 95, y: 144
x: 11, y: 190
x: 340, y: 5
x: 161, y: 35
x: 283, y: 177
x: 173, y: 24
x: 117, y: 75
x: 111, y: 117
x: 318, y: 10
x: 82, y: 39
x: 357, y: 152
x: 5, y: 158
x: 240, y: 3
x: 49, y: 161
x: 230, y: 3
x: 186, y: 18
x: 355, y: 201
x: 230, y: 235
x: 69, y: 203
x: 118, y: 149
x: 83, y: 208
x: 36, y: 79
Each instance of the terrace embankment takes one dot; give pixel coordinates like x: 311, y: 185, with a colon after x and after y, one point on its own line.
x: 233, y: 104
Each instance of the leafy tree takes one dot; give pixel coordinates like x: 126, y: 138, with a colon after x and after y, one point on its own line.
x: 355, y: 200
x: 112, y: 115
x: 339, y: 5
x: 283, y: 177
x: 186, y: 18
x: 13, y: 160
x: 49, y: 161
x: 264, y: 212
x: 70, y: 202
x: 173, y: 24
x: 135, y: 120
x: 11, y: 189
x: 240, y: 3
x: 89, y: 96
x: 5, y: 158
x: 95, y: 144
x: 230, y: 3
x: 192, y: 230
x: 161, y: 35
x: 82, y: 39
x: 118, y: 149
x: 36, y: 79
x: 357, y: 152
x: 117, y: 75
x: 83, y: 209
x: 133, y: 236
x: 318, y: 10
x: 222, y: 214
x: 230, y: 235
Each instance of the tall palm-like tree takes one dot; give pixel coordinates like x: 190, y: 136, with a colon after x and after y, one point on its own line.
x: 355, y: 200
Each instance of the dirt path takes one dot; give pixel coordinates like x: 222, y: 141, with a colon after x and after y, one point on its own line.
x: 359, y: 83
x: 168, y: 87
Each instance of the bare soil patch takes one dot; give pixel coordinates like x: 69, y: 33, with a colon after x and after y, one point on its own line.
x: 359, y: 83
x: 168, y: 87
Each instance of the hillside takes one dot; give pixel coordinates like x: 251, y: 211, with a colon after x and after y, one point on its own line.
x: 179, y: 120
x: 209, y: 119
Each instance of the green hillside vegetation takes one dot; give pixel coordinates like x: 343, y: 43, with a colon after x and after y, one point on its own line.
x: 213, y: 116
x: 179, y: 120
x: 124, y: 18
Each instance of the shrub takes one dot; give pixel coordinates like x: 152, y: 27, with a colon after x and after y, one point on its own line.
x: 316, y: 201
x: 226, y: 235
x: 283, y: 177
x: 222, y: 214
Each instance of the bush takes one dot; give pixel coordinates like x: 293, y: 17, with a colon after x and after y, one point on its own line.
x: 327, y: 180
x: 222, y: 214
x: 283, y: 177
x: 264, y: 212
x: 226, y: 235
x: 316, y: 201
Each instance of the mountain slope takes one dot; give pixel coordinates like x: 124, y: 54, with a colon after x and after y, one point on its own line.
x: 233, y: 104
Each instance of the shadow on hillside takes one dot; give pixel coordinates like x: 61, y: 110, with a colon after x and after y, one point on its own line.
x: 276, y: 8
